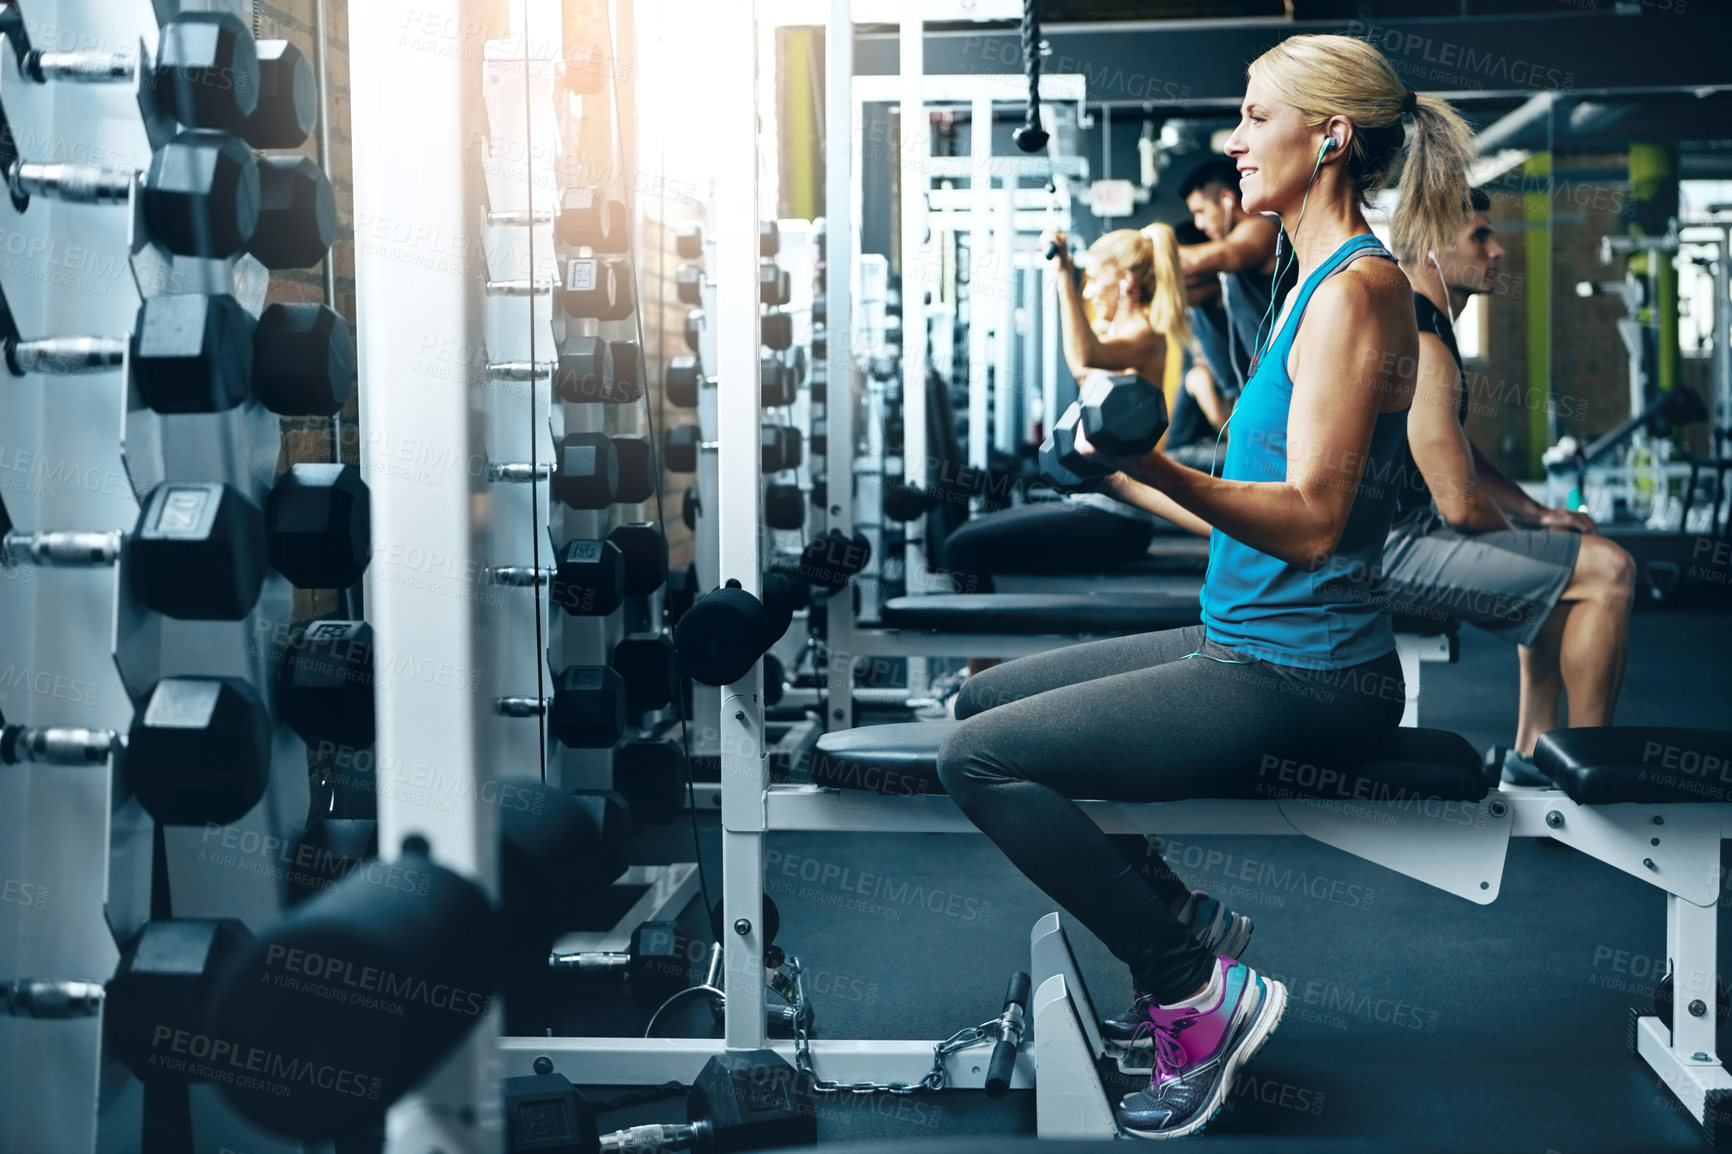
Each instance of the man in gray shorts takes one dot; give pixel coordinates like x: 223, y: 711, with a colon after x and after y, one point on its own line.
x: 1468, y: 543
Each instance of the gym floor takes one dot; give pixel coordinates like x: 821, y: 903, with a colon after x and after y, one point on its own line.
x: 1415, y: 1016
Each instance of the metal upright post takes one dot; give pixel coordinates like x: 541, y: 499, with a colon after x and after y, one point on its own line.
x: 425, y: 179
x: 916, y: 150
x: 982, y: 259
x: 841, y: 210
x: 745, y: 772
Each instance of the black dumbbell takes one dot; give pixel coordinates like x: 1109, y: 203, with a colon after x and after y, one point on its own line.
x: 297, y: 213
x: 776, y: 330
x: 325, y: 683
x: 745, y: 1100
x: 690, y: 506
x: 653, y: 967
x: 586, y: 471
x: 592, y: 370
x: 778, y: 448
x: 191, y: 353
x: 200, y: 549
x: 689, y: 283
x: 646, y: 556
x: 650, y: 775
x: 588, y: 707
x: 1122, y: 416
x: 152, y: 1008
x: 627, y: 369
x: 680, y: 445
x: 589, y: 577
x: 625, y: 293
x: 288, y: 108
x: 424, y: 942
x: 684, y: 376
x: 646, y: 663
x: 200, y: 193
x: 769, y: 238
x: 689, y: 241
x: 775, y: 381
x: 206, y: 73
x: 774, y: 285
x: 830, y: 561
x: 588, y: 219
x: 199, y: 750
x: 591, y: 288
x: 784, y: 506
x: 637, y: 469
x: 693, y: 330
x: 319, y: 526
x: 682, y: 592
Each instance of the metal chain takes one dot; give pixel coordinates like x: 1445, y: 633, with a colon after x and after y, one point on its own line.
x: 934, y: 1079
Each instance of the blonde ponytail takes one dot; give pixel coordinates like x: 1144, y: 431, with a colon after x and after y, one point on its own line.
x: 1325, y: 76
x: 1167, y: 295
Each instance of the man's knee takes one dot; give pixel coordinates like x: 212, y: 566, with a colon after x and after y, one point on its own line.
x: 1605, y: 571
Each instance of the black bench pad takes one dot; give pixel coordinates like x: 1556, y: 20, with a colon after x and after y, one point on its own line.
x: 1124, y: 611
x: 1413, y: 764
x: 1650, y: 765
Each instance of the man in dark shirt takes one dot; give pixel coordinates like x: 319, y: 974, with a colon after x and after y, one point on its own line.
x: 1468, y: 543
x: 1238, y: 248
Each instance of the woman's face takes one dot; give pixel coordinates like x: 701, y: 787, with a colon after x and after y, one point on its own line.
x: 1101, y: 288
x: 1274, y: 151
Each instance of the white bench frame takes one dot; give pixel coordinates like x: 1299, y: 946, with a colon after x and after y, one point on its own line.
x: 1458, y: 847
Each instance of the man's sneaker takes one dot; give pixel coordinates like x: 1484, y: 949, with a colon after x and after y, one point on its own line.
x: 1519, y: 770
x: 1217, y: 928
x: 1198, y: 1054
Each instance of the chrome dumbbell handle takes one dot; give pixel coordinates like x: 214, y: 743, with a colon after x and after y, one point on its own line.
x: 80, y: 67
x: 66, y: 356
x: 57, y: 745
x: 61, y: 547
x: 72, y: 183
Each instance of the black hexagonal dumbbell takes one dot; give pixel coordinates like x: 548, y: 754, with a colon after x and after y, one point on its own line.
x: 192, y: 353
x: 199, y: 550
x: 779, y: 448
x: 199, y: 750
x: 689, y: 241
x: 637, y: 469
x: 597, y: 288
x: 206, y: 73
x: 588, y: 708
x: 646, y: 556
x: 681, y: 381
x: 297, y: 213
x: 628, y: 371
x: 1122, y: 416
x: 680, y: 445
x: 325, y: 683
x: 689, y: 283
x: 775, y: 381
x: 784, y: 506
x: 693, y: 329
x: 586, y: 471
x: 200, y: 196
x: 588, y: 577
x: 775, y: 287
x: 587, y: 219
x: 152, y: 1008
x: 777, y: 330
x: 646, y: 663
x: 650, y: 775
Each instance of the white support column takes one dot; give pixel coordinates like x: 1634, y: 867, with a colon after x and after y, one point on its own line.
x: 745, y: 772
x: 841, y: 241
x: 986, y: 277
x: 916, y: 151
x: 427, y: 181
x: 1692, y: 950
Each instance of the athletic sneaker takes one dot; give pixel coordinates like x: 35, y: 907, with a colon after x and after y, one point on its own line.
x: 1217, y: 928
x: 1519, y: 770
x: 1198, y: 1054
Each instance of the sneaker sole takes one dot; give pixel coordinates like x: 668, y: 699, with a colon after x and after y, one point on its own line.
x: 1269, y: 1015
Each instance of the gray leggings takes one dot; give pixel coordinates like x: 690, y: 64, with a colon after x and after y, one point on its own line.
x: 1131, y: 719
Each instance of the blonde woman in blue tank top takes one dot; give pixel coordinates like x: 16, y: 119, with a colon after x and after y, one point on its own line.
x: 1291, y: 659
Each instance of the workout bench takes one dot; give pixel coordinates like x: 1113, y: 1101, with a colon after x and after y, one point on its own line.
x: 1650, y: 801
x: 1018, y: 624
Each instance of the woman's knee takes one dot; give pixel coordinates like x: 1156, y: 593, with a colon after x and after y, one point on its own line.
x: 966, y: 764
x: 981, y: 692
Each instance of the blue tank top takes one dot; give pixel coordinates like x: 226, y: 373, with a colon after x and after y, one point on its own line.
x: 1262, y: 606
